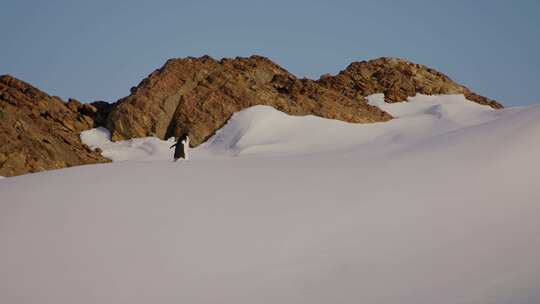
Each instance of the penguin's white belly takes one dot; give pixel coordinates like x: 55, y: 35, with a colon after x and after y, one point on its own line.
x: 185, y: 144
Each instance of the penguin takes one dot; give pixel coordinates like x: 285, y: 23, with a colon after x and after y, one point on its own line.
x: 181, y: 147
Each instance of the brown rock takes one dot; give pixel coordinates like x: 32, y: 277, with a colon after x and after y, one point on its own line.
x: 39, y: 132
x: 198, y: 96
x: 397, y: 79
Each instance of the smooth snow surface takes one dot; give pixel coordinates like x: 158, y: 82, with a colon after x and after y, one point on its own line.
x: 440, y: 205
x: 150, y: 148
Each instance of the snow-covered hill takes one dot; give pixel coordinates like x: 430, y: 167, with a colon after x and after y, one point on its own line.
x: 440, y: 205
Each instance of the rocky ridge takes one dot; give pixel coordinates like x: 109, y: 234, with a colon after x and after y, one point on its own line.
x: 197, y: 96
x: 397, y: 79
x: 40, y: 132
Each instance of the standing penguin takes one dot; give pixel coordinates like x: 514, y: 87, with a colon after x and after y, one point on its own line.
x: 182, y: 145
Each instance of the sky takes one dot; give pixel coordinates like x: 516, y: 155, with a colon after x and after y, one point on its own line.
x: 98, y: 50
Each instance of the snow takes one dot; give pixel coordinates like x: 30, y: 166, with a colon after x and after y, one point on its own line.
x: 264, y: 131
x: 440, y: 205
x: 146, y: 149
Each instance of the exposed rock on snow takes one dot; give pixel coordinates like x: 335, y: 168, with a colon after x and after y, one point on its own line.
x: 397, y: 79
x: 40, y: 132
x: 198, y: 95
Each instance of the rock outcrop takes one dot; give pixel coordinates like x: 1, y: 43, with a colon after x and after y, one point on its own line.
x: 397, y: 79
x: 40, y: 132
x: 199, y: 95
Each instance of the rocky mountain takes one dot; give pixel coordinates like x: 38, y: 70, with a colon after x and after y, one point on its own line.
x: 40, y: 132
x: 197, y: 96
x: 397, y: 79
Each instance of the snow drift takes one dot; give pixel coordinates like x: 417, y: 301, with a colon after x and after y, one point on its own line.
x: 440, y: 205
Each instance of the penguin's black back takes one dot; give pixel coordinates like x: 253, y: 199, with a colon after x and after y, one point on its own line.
x: 179, y: 149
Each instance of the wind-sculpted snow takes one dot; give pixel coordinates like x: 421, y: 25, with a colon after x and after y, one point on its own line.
x: 146, y: 149
x: 439, y: 205
x: 264, y: 131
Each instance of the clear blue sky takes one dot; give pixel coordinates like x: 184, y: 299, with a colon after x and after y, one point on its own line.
x: 99, y: 49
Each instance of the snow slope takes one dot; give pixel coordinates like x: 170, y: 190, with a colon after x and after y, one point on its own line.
x: 440, y: 205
